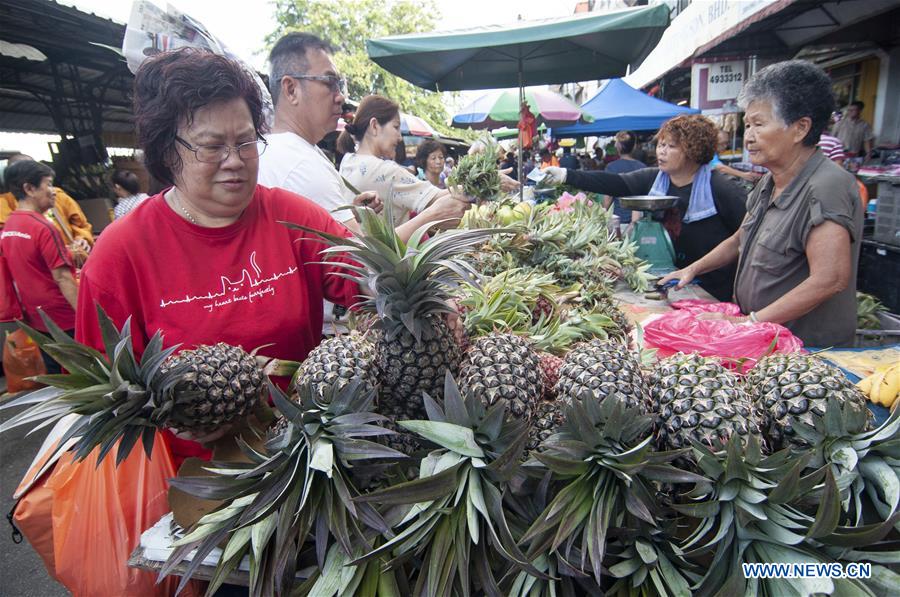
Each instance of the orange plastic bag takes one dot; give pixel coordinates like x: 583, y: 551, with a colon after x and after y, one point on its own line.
x: 21, y: 359
x: 97, y: 516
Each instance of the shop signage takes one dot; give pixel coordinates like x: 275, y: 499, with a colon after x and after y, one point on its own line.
x: 724, y: 80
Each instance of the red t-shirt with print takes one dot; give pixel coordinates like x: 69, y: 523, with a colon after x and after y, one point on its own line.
x: 254, y: 283
x: 33, y: 248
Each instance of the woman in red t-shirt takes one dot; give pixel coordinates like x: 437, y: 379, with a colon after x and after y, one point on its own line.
x: 39, y: 263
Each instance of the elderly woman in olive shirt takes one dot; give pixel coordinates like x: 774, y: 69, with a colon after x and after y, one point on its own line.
x: 798, y: 247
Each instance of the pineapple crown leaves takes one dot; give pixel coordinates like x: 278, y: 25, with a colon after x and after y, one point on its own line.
x: 477, y: 174
x: 648, y: 562
x: 410, y: 280
x: 603, y: 453
x: 114, y: 393
x: 457, y: 501
x: 300, y: 482
x: 865, y: 463
x: 751, y: 506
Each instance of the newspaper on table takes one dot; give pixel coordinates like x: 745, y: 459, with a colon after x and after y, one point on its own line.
x: 152, y: 30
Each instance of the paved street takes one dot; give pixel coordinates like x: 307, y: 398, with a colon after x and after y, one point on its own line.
x: 22, y: 572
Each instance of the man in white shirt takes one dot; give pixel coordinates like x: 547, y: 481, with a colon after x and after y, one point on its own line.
x: 309, y: 93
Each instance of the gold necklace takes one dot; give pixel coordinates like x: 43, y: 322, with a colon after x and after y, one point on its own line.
x: 186, y: 213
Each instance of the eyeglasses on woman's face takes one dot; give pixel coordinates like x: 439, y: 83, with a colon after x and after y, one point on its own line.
x: 215, y: 154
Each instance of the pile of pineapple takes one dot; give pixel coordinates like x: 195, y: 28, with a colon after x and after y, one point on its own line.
x: 527, y: 448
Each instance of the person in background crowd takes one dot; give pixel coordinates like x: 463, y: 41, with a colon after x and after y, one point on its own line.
x: 832, y: 148
x: 798, y: 248
x: 449, y: 163
x: 509, y: 161
x: 66, y: 214
x: 834, y: 151
x: 527, y: 162
x: 568, y: 160
x: 548, y: 159
x: 626, y: 163
x: 127, y: 188
x: 718, y: 164
x: 38, y: 262
x: 369, y: 144
x: 854, y: 132
x: 430, y: 155
x: 710, y: 206
x: 308, y: 94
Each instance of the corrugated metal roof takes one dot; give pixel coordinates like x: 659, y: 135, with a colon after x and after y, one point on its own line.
x: 82, y: 86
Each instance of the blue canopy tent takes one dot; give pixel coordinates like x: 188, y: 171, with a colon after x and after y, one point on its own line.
x: 620, y: 107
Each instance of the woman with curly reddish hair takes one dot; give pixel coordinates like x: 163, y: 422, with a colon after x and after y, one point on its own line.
x: 710, y: 207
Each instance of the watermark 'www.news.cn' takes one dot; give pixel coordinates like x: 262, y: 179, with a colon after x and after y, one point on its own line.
x: 808, y: 570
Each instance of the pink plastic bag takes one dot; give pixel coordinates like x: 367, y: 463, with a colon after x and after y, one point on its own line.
x: 738, y: 345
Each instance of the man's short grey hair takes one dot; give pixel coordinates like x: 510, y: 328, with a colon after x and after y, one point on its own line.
x: 795, y: 89
x: 288, y: 56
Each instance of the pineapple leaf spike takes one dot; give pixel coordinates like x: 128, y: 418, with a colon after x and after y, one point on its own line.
x: 290, y: 492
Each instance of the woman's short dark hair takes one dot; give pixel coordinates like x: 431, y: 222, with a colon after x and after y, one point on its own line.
x: 127, y: 180
x: 625, y: 142
x: 425, y: 149
x: 170, y: 87
x: 372, y: 106
x: 697, y: 136
x: 795, y: 89
x: 23, y: 172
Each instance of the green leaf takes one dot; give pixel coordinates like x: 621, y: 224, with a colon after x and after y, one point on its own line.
x: 452, y: 437
x: 426, y: 489
x: 626, y: 568
x: 829, y: 510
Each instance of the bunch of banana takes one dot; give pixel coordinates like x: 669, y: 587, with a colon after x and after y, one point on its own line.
x: 883, y: 386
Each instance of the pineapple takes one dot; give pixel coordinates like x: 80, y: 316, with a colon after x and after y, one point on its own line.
x: 795, y: 387
x: 415, y: 346
x: 455, y: 536
x: 210, y: 386
x: 338, y: 359
x: 549, y: 365
x: 609, y: 473
x: 120, y: 397
x: 608, y: 307
x: 695, y: 398
x: 503, y: 368
x: 599, y: 368
x: 548, y: 412
x: 299, y: 489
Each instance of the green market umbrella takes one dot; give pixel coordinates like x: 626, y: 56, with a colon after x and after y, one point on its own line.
x: 501, y: 108
x: 585, y: 46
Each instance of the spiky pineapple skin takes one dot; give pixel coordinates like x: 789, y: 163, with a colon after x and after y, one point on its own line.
x: 609, y: 307
x: 693, y: 397
x: 504, y: 368
x: 222, y: 383
x: 407, y: 368
x: 339, y: 359
x: 599, y: 368
x: 549, y: 365
x: 795, y: 387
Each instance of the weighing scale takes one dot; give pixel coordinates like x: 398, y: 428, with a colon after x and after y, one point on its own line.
x: 654, y: 244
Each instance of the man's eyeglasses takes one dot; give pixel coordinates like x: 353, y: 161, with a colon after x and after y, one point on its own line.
x: 335, y: 84
x: 215, y: 154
